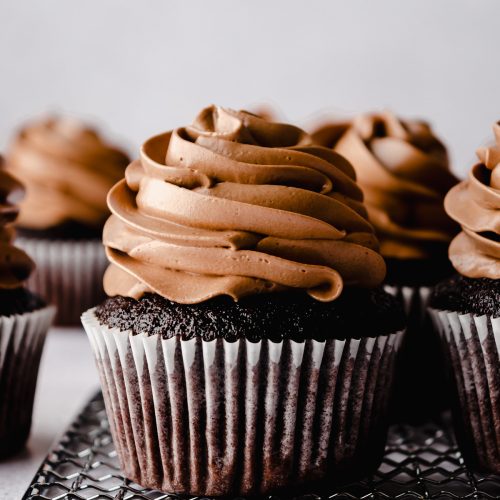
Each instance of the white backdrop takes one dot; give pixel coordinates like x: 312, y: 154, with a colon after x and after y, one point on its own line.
x: 139, y: 67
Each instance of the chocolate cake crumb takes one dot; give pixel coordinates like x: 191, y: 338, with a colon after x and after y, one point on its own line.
x: 19, y: 301
x: 295, y: 316
x: 70, y: 230
x: 476, y: 296
x: 418, y: 272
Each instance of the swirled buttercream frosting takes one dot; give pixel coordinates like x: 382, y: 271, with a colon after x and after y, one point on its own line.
x: 475, y: 205
x: 15, y: 265
x: 236, y: 205
x: 404, y: 172
x: 67, y: 169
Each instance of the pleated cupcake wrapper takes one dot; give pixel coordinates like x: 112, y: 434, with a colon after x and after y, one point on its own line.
x: 414, y: 298
x: 22, y: 337
x: 68, y: 274
x: 472, y: 347
x: 212, y: 418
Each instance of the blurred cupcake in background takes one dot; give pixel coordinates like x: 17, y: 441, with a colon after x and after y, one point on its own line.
x: 404, y: 172
x: 466, y: 309
x: 67, y: 169
x: 247, y: 345
x: 267, y: 111
x: 24, y: 321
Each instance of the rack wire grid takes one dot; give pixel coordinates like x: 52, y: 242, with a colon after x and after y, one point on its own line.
x: 419, y: 463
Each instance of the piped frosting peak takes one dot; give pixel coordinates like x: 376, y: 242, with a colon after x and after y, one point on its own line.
x: 404, y: 172
x: 475, y: 205
x: 236, y: 205
x: 67, y: 169
x: 15, y: 265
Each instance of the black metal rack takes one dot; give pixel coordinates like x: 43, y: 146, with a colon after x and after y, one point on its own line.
x: 419, y: 463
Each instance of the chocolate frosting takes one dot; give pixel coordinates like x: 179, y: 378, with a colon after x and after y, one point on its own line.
x: 67, y: 170
x: 236, y: 205
x: 15, y: 265
x: 475, y: 205
x: 404, y: 172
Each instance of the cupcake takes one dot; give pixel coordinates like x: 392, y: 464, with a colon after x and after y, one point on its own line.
x: 403, y: 170
x: 67, y: 170
x: 24, y: 321
x: 246, y: 345
x: 466, y: 309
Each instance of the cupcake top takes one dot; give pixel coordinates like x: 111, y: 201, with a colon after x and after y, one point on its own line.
x: 15, y: 265
x: 67, y: 169
x: 235, y: 205
x: 404, y: 172
x: 475, y: 205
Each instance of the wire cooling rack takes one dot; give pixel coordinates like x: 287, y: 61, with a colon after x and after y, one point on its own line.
x: 419, y: 463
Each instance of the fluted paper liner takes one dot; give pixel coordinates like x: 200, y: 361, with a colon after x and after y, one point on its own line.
x: 68, y: 274
x: 472, y: 347
x: 414, y: 298
x: 218, y: 417
x: 21, y: 342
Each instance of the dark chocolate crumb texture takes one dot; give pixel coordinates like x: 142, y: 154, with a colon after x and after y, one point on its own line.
x: 476, y: 296
x: 19, y: 301
x: 70, y: 230
x: 295, y: 316
x: 418, y: 272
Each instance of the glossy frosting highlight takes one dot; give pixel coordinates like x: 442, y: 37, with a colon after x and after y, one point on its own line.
x: 404, y: 172
x: 15, y: 265
x: 236, y: 205
x: 475, y: 205
x: 67, y: 169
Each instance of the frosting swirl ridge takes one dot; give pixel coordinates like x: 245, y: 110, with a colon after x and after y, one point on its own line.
x: 236, y: 205
x: 475, y: 205
x: 404, y: 172
x: 67, y: 169
x: 15, y: 265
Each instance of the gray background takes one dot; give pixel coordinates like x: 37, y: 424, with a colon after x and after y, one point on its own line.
x: 140, y: 67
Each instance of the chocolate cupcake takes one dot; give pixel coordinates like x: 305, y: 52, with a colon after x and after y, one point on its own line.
x: 68, y: 170
x: 246, y: 346
x: 404, y: 172
x: 466, y: 309
x: 24, y: 321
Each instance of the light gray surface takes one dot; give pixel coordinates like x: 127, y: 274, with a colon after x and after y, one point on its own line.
x: 143, y: 67
x: 66, y: 381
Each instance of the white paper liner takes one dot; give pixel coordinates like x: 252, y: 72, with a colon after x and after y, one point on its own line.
x: 472, y: 347
x: 415, y: 300
x: 21, y: 342
x: 213, y: 418
x: 68, y: 274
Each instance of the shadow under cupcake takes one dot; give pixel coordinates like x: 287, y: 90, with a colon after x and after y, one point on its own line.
x: 246, y: 346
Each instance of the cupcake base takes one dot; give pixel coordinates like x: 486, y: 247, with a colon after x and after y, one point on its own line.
x: 68, y: 231
x: 19, y: 301
x: 68, y: 274
x: 21, y: 342
x: 219, y: 417
x: 477, y: 296
x: 276, y: 317
x: 472, y: 347
x: 419, y: 272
